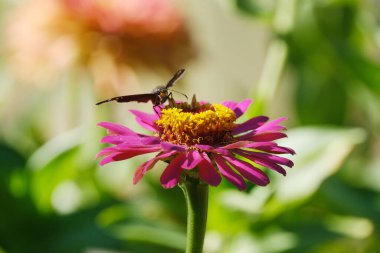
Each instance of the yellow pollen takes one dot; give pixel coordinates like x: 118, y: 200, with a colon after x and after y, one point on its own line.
x: 211, y: 124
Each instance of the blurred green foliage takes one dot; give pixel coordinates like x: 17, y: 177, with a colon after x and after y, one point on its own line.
x: 55, y: 198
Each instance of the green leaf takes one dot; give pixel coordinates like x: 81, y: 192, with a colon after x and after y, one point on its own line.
x: 152, y: 233
x: 320, y: 153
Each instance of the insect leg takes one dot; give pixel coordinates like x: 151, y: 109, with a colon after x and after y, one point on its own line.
x: 154, y: 108
x: 171, y: 100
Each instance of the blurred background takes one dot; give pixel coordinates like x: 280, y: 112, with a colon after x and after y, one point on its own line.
x: 316, y: 62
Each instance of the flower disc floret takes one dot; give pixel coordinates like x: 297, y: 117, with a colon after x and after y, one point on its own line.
x: 213, y: 124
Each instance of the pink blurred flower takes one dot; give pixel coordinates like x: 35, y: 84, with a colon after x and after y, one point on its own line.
x: 137, y: 17
x: 110, y: 39
x: 201, y: 140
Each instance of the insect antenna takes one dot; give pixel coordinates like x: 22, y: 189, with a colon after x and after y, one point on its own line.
x: 179, y: 93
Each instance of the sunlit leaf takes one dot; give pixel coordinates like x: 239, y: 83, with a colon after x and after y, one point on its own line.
x: 320, y: 153
x: 158, y: 235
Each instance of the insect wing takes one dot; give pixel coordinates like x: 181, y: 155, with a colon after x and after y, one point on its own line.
x: 141, y: 98
x: 176, y: 76
x: 155, y: 97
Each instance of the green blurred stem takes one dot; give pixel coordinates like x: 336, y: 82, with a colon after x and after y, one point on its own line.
x: 196, y: 195
x: 275, y: 60
x: 270, y: 76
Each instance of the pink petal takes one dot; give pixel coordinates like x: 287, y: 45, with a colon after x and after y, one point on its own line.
x: 229, y: 174
x: 118, y: 139
x: 125, y: 147
x: 105, y: 151
x: 248, y: 171
x: 262, y: 137
x: 212, y: 149
x: 204, y: 147
x: 170, y: 176
x: 207, y: 171
x: 146, y: 120
x: 272, y: 158
x: 278, y: 150
x: 126, y: 154
x: 262, y: 162
x: 117, y: 129
x: 108, y: 159
x: 271, y: 126
x: 230, y: 104
x: 142, y: 140
x: 238, y: 144
x: 168, y: 146
x: 270, y: 147
x: 250, y: 124
x: 238, y: 108
x: 145, y: 167
x: 220, y: 151
x: 150, y: 140
x: 192, y: 159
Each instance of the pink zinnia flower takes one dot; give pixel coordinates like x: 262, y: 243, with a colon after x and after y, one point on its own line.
x: 201, y: 140
x: 111, y: 40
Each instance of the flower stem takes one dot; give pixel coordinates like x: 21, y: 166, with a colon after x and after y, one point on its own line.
x: 196, y: 195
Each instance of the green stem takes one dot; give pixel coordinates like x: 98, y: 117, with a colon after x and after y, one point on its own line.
x: 196, y: 195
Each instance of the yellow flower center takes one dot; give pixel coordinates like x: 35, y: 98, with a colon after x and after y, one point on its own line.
x: 200, y: 124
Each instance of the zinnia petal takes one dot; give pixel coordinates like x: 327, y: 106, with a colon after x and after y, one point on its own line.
x: 262, y: 162
x: 146, y: 166
x: 146, y: 120
x: 262, y: 137
x: 126, y: 154
x: 229, y: 174
x: 250, y: 124
x: 211, y: 149
x: 238, y: 108
x: 270, y: 147
x: 105, y: 151
x: 207, y: 171
x: 272, y: 158
x: 126, y: 147
x: 192, y: 159
x: 238, y: 144
x: 119, y: 139
x: 204, y: 147
x: 248, y: 171
x: 272, y: 126
x: 171, y: 147
x: 117, y: 129
x: 170, y: 176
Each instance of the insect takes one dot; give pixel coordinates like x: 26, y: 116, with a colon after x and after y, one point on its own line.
x: 158, y: 96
